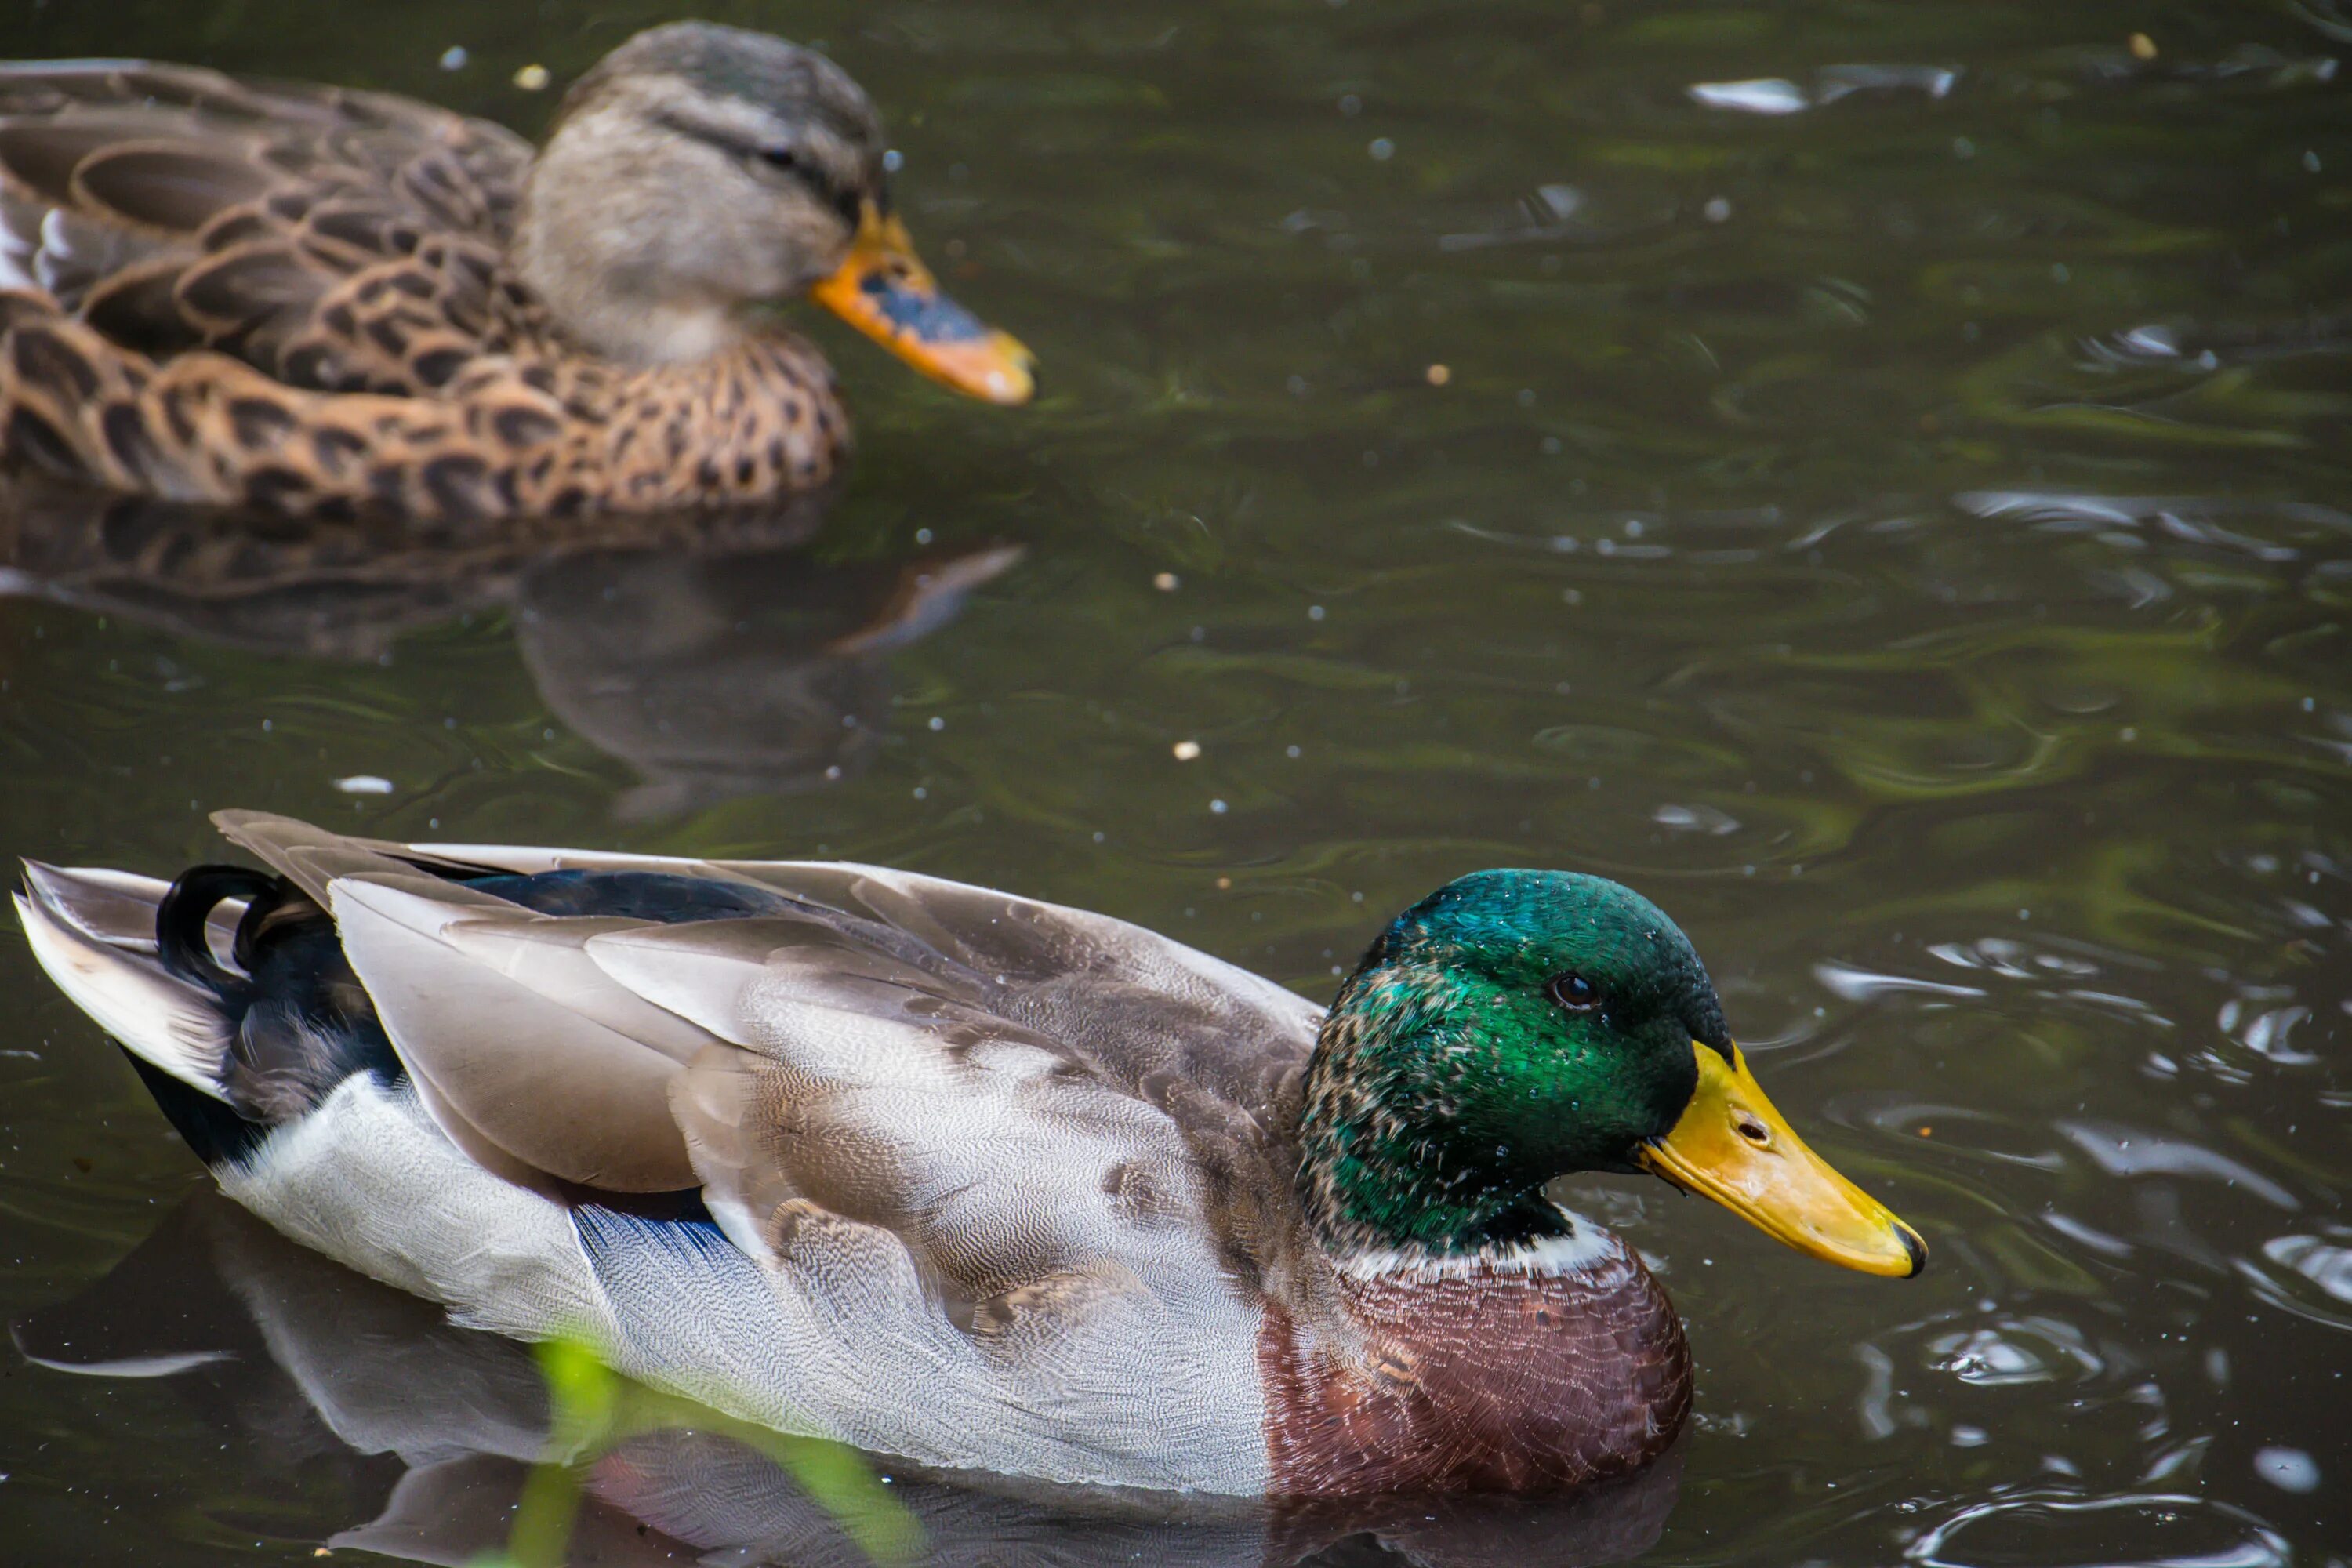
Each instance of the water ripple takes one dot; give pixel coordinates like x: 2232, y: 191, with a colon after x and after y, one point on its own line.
x: 2146, y: 1530
x: 2122, y: 1151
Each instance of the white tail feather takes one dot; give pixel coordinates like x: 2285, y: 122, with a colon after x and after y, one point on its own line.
x: 165, y: 1021
x: 117, y: 908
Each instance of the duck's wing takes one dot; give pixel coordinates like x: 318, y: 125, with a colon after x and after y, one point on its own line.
x: 1208, y: 1043
x: 334, y: 239
x: 861, y: 980
x: 971, y: 1157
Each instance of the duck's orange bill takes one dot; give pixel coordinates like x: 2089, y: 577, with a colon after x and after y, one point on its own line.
x: 885, y: 292
x: 1731, y: 1145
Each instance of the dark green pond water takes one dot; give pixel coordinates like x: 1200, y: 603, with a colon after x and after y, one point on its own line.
x: 1889, y: 497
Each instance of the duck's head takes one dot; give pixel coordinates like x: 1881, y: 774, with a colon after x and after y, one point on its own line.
x: 700, y: 173
x: 1518, y: 1026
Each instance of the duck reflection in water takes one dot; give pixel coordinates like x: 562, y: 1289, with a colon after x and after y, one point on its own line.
x: 710, y: 652
x: 310, y: 1370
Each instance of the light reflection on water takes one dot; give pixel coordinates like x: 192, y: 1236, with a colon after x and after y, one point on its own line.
x: 1909, y: 535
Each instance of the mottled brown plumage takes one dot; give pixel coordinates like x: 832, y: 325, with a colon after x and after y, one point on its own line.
x: 326, y: 303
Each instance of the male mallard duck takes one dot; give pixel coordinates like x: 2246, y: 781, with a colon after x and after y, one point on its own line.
x: 323, y: 301
x: 963, y: 1178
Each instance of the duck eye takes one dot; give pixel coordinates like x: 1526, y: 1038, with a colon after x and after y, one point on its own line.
x: 1575, y: 993
x: 780, y: 158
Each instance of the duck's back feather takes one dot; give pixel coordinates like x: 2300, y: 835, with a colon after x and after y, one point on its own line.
x: 817, y: 946
x: 173, y: 207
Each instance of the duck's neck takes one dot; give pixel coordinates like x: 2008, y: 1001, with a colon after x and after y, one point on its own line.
x: 1387, y: 1170
x: 619, y: 271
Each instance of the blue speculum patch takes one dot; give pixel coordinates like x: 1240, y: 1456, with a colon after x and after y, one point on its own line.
x: 930, y: 318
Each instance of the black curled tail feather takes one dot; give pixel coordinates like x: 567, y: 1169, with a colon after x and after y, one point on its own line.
x: 299, y: 1021
x: 181, y: 940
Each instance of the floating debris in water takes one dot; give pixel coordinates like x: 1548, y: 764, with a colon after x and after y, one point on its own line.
x: 1766, y: 95
x: 1166, y: 582
x: 1778, y: 95
x: 1705, y: 819
x: 532, y: 79
x: 2289, y: 1470
x: 1186, y: 750
x: 2143, y: 48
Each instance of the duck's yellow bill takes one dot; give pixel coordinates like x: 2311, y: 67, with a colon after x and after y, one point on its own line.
x: 885, y: 292
x: 1731, y: 1145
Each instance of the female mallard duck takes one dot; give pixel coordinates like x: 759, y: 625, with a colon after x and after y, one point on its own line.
x: 956, y: 1177
x: 323, y: 301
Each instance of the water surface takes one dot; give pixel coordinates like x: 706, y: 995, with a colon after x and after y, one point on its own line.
x: 1885, y: 495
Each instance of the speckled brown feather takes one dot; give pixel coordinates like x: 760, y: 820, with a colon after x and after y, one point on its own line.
x: 301, y: 300
x: 1476, y: 1380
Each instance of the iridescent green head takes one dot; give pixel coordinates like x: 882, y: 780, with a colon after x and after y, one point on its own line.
x: 1517, y: 1025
